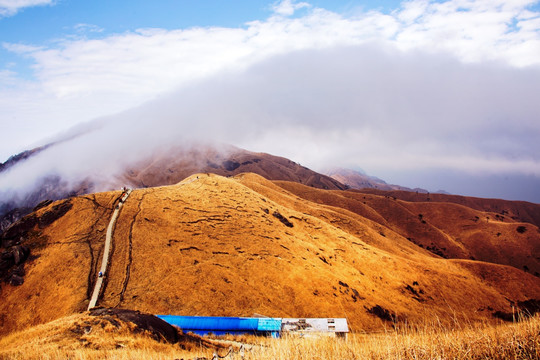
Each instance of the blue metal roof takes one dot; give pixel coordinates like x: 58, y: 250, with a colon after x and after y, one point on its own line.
x: 269, y: 324
x: 205, y: 324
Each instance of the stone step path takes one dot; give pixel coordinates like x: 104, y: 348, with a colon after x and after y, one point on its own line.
x: 106, y: 250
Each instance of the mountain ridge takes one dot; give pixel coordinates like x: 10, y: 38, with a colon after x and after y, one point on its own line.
x: 359, y: 180
x: 162, y: 167
x: 198, y: 248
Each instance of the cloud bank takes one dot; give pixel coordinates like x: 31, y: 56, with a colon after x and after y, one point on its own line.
x: 77, y: 78
x: 348, y: 106
x: 432, y: 86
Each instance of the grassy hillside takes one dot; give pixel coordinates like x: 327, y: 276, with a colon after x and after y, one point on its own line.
x: 240, y: 246
x: 516, y: 210
x: 446, y: 225
x: 86, y: 337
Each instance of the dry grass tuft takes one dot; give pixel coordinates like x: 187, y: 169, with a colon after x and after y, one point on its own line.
x: 88, y: 337
x: 198, y: 247
x: 57, y: 340
x: 509, y: 341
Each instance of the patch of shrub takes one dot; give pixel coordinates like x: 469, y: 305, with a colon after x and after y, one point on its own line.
x: 283, y: 219
x: 382, y: 313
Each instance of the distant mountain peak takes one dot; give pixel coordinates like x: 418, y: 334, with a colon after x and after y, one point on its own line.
x: 360, y: 180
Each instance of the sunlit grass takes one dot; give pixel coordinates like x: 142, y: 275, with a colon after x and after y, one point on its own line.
x: 429, y: 341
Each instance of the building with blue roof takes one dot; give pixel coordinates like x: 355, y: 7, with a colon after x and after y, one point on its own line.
x: 205, y: 325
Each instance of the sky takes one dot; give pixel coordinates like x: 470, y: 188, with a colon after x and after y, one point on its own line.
x: 435, y: 94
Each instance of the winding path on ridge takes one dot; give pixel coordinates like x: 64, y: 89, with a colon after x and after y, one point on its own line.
x: 106, y: 251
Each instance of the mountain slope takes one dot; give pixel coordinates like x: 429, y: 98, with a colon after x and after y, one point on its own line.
x: 447, y: 227
x: 502, y: 209
x: 212, y: 245
x: 173, y: 165
x: 161, y: 167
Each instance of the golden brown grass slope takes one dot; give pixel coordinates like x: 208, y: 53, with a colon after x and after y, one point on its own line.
x: 429, y: 341
x: 87, y: 336
x: 82, y: 337
x: 515, y: 210
x: 490, y: 230
x: 215, y: 246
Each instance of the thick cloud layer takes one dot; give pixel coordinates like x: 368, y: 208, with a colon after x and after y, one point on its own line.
x: 361, y: 106
x: 432, y: 94
x: 89, y: 74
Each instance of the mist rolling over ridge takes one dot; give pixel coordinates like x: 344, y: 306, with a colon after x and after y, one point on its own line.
x: 342, y: 106
x: 398, y: 93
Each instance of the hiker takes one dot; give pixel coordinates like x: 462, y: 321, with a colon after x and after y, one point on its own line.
x: 100, y: 274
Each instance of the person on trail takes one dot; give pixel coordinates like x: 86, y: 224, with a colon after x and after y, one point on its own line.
x: 100, y: 274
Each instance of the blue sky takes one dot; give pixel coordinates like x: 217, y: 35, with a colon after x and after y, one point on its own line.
x: 395, y: 88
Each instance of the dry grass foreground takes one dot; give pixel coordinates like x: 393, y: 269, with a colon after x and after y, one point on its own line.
x: 85, y: 336
x: 239, y: 246
x: 63, y: 339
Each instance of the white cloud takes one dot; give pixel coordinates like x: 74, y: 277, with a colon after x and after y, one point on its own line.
x: 21, y: 49
x: 358, y: 105
x: 8, y: 77
x: 149, y: 61
x: 11, y: 7
x: 288, y: 7
x: 88, y: 28
x: 474, y: 31
x: 411, y: 11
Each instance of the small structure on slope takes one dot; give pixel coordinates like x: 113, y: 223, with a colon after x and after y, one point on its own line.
x: 204, y: 325
x: 316, y: 326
